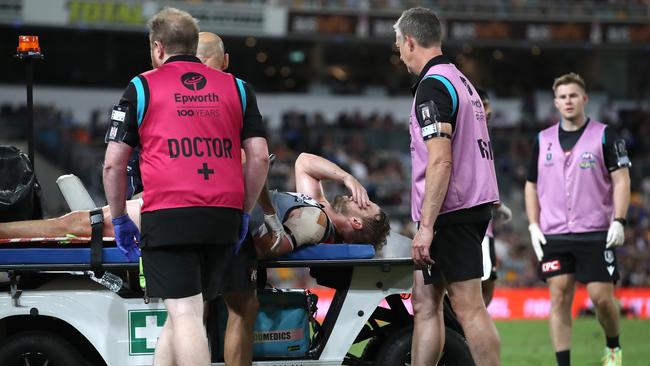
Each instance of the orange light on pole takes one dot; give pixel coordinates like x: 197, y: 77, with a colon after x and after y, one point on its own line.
x: 28, y: 50
x: 28, y: 44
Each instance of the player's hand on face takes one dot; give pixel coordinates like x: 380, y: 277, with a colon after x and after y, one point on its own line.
x: 357, y: 191
x: 420, y: 247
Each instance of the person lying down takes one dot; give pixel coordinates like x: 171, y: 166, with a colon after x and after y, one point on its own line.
x: 306, y: 216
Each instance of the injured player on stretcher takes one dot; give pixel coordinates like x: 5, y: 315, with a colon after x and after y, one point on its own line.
x: 307, y: 216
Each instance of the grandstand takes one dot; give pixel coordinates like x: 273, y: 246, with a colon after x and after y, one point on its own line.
x: 329, y: 83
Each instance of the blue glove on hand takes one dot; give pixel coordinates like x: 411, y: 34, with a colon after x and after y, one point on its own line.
x: 127, y: 236
x: 245, y: 220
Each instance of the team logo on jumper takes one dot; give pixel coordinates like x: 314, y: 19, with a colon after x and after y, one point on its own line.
x: 551, y: 266
x: 304, y: 199
x: 609, y: 256
x: 549, y: 155
x: 193, y: 81
x: 587, y: 160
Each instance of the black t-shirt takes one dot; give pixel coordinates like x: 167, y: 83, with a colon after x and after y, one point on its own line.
x: 568, y: 140
x: 187, y: 225
x: 434, y: 89
x: 439, y: 91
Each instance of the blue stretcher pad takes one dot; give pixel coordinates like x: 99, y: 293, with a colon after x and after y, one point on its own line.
x: 331, y: 251
x: 29, y: 256
x: 113, y: 256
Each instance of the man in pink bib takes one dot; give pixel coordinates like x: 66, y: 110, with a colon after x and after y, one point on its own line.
x: 577, y: 194
x: 191, y: 123
x: 453, y: 191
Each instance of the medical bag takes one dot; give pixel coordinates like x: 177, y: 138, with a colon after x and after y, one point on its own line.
x: 282, y: 328
x: 19, y: 189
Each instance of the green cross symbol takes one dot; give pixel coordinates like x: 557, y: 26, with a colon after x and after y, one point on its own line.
x: 144, y: 328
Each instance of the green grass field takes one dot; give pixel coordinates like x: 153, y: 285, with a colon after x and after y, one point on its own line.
x: 528, y: 343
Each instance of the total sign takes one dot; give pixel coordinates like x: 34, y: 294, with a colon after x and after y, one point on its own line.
x: 144, y: 328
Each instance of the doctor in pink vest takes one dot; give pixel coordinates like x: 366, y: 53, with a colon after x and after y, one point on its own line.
x: 453, y: 191
x: 190, y: 122
x: 577, y: 195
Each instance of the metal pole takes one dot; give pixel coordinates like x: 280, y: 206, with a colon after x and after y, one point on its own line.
x: 29, y: 77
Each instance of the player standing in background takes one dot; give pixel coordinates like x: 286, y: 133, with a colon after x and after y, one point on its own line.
x: 577, y: 194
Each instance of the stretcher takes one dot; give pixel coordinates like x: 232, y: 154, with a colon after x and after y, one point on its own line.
x: 62, y: 253
x: 100, y: 253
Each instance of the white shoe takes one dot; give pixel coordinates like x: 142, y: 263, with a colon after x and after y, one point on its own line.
x: 613, y: 357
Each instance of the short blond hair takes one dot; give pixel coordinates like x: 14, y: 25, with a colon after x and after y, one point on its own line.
x: 570, y: 78
x: 177, y: 30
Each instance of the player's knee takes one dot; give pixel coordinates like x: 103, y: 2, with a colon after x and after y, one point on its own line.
x: 561, y: 298
x: 425, y: 308
x: 602, y: 302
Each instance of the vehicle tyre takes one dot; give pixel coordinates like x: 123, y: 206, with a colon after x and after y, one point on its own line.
x: 38, y: 349
x: 397, y: 350
x: 456, y: 351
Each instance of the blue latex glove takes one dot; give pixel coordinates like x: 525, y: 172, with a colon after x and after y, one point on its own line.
x: 245, y: 220
x: 127, y: 236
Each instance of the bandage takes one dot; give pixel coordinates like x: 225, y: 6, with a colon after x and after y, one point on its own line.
x: 307, y: 225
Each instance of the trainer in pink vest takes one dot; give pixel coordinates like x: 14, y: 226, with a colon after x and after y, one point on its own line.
x: 473, y: 180
x: 574, y: 187
x: 190, y: 138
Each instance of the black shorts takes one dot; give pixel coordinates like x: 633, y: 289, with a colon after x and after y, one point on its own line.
x: 583, y: 255
x: 242, y: 275
x: 175, y: 272
x: 456, y: 251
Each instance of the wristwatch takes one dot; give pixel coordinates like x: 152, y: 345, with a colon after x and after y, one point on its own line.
x: 621, y: 220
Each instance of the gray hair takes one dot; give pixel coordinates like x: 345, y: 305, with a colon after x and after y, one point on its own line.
x: 177, y: 30
x: 420, y: 23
